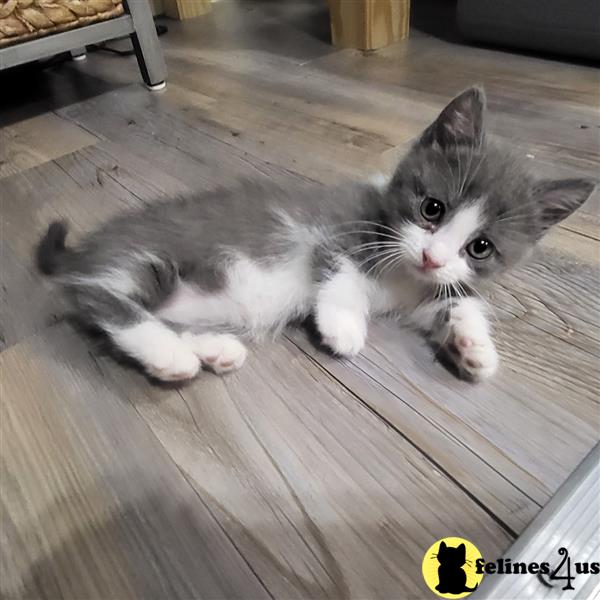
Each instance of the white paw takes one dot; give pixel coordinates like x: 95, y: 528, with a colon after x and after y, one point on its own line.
x: 342, y: 330
x: 172, y: 362
x: 221, y: 352
x: 474, y: 348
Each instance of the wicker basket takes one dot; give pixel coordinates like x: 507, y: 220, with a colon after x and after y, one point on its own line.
x: 22, y: 20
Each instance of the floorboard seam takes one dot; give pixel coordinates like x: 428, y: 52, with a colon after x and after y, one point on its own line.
x: 198, y: 495
x: 432, y: 460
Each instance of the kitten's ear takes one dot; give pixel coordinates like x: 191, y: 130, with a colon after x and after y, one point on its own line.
x: 559, y: 198
x: 442, y: 546
x: 460, y: 123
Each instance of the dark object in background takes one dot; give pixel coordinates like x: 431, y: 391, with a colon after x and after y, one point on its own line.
x: 570, y: 27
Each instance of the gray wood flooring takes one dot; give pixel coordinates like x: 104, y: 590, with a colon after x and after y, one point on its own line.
x: 300, y: 476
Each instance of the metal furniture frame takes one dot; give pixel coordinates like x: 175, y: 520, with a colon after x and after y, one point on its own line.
x: 137, y: 23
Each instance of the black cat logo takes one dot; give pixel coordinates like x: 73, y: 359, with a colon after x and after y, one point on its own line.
x: 449, y: 567
x: 452, y: 576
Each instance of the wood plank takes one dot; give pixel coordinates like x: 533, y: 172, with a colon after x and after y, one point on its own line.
x: 319, y: 495
x: 508, y: 490
x: 108, y: 162
x: 156, y: 133
x: 527, y: 113
x: 92, y: 506
x: 442, y: 67
x: 37, y: 140
x: 240, y: 138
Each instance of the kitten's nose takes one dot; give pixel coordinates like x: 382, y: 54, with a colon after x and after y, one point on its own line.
x: 429, y: 262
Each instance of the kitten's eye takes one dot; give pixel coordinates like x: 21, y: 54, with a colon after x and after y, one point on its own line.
x: 433, y: 210
x: 480, y: 248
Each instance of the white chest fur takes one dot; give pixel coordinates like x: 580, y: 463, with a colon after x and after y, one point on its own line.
x: 402, y: 294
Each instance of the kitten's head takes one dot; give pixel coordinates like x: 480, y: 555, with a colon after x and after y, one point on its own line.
x: 465, y: 208
x: 450, y: 556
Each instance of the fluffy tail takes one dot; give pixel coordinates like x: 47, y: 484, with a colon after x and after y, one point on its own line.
x: 51, y: 249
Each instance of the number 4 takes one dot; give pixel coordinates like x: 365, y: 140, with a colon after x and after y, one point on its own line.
x: 568, y: 577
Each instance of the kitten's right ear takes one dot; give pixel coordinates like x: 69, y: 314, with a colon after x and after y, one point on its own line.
x: 460, y: 123
x: 559, y: 198
x: 442, y: 546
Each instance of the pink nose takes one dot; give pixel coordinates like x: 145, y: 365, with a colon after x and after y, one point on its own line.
x: 430, y: 263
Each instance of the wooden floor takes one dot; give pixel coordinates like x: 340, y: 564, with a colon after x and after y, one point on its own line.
x: 300, y: 476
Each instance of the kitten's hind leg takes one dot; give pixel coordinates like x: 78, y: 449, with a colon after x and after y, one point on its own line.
x: 221, y: 352
x: 118, y: 301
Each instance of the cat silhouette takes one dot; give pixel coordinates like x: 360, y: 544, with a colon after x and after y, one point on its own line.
x: 452, y: 577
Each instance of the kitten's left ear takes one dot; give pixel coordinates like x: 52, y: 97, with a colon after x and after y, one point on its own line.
x: 559, y: 198
x: 460, y: 123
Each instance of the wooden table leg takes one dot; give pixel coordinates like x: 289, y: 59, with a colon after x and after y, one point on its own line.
x: 186, y: 9
x: 368, y: 24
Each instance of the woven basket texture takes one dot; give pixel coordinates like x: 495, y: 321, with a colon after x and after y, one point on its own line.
x: 22, y: 20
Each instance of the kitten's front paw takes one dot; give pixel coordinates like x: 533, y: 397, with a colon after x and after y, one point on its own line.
x: 343, y: 331
x: 472, y: 348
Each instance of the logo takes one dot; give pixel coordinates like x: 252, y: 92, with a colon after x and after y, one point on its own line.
x: 454, y: 568
x: 449, y: 567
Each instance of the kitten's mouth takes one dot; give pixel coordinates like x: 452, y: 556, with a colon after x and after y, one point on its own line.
x: 428, y: 275
x: 424, y: 272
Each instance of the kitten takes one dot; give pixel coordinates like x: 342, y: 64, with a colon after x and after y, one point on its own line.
x: 175, y: 285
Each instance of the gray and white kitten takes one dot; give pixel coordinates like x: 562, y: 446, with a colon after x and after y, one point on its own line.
x: 175, y: 285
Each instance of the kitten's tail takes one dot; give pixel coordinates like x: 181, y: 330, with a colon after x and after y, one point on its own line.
x: 51, y: 250
x: 467, y: 589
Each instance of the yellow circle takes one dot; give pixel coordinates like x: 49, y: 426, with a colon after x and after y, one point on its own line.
x: 449, y: 567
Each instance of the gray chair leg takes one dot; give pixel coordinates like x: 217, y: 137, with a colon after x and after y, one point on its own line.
x: 146, y: 45
x: 78, y: 53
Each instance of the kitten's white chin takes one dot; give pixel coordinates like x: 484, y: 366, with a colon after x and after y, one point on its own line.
x: 433, y: 277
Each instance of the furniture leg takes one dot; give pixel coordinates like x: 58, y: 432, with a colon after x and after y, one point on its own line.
x: 368, y: 24
x: 186, y: 9
x: 146, y: 45
x: 79, y: 53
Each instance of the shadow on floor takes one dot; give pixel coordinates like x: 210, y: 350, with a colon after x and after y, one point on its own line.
x: 32, y: 89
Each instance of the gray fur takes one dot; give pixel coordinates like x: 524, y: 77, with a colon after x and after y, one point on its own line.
x: 194, y: 238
